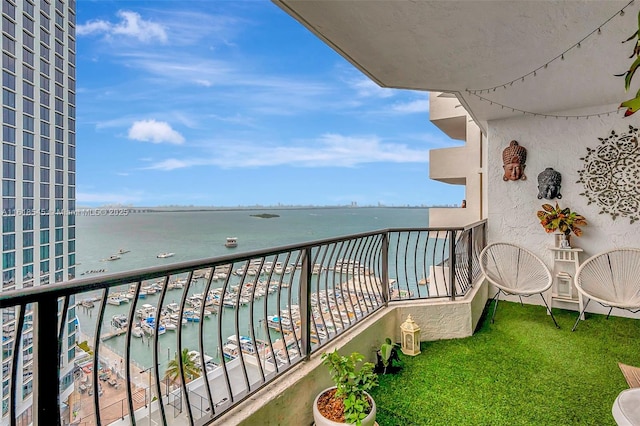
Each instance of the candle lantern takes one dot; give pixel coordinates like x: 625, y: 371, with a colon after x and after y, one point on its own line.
x: 410, y: 337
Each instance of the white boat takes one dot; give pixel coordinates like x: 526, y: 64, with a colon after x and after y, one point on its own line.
x: 116, y: 300
x: 113, y: 257
x: 231, y: 242
x: 146, y: 311
x: 123, y: 251
x: 148, y: 326
x: 165, y: 255
x: 197, y: 360
x: 120, y: 321
x: 169, y: 325
x: 173, y: 308
x: 137, y: 331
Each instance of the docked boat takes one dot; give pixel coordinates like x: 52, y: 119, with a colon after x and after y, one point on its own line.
x: 87, y: 304
x: 146, y: 311
x: 191, y: 316
x: 231, y: 242
x: 208, y: 361
x: 149, y: 326
x: 275, y: 322
x: 117, y: 300
x: 137, y: 331
x: 120, y: 321
x: 245, y: 344
x: 165, y: 255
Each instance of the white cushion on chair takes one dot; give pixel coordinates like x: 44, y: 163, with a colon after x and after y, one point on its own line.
x: 626, y: 408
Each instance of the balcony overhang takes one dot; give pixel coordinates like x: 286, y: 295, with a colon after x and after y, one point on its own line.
x: 459, y: 45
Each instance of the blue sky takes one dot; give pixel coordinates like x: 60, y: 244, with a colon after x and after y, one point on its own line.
x: 220, y: 103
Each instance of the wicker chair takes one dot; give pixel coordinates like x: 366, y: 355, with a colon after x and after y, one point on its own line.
x: 611, y: 278
x: 515, y: 271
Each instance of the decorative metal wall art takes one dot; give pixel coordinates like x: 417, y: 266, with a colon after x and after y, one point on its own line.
x: 549, y: 182
x: 513, y: 161
x: 611, y: 175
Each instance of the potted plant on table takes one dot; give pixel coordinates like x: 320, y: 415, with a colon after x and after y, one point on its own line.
x: 562, y: 220
x: 348, y: 401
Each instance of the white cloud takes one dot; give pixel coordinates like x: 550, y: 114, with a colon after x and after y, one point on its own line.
x: 330, y: 150
x: 92, y: 27
x: 367, y: 88
x: 131, y: 25
x: 155, y: 132
x: 417, y: 106
x: 173, y: 164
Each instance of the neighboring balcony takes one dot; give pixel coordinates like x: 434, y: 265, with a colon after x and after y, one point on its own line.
x: 194, y: 342
x: 446, y: 112
x: 461, y: 165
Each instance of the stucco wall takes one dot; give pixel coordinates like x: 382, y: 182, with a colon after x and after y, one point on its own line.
x: 557, y: 143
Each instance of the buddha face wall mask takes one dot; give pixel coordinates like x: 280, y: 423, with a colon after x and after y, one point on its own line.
x: 513, y: 162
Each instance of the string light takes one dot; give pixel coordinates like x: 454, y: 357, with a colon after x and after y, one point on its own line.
x: 538, y: 114
x: 577, y: 45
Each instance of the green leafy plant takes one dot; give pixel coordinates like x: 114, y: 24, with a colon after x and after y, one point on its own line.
x: 172, y: 373
x: 632, y: 105
x: 351, y: 383
x: 559, y: 219
x: 387, y: 354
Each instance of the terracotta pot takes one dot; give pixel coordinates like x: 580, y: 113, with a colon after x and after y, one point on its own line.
x: 320, y: 420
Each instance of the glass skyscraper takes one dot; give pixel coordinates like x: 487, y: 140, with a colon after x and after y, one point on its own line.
x: 38, y: 176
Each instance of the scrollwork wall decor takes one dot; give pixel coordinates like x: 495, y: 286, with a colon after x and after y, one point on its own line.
x: 611, y: 175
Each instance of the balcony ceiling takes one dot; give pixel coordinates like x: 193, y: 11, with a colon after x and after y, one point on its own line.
x: 452, y: 46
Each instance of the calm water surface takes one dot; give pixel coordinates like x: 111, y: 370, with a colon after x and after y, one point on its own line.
x: 197, y: 235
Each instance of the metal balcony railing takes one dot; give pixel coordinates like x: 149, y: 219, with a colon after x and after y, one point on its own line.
x: 182, y: 344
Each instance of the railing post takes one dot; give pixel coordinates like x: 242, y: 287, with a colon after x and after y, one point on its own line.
x: 46, y: 370
x: 470, y: 245
x: 452, y: 263
x: 385, y: 269
x: 305, y: 303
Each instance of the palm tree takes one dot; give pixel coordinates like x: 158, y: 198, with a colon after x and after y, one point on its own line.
x: 172, y: 372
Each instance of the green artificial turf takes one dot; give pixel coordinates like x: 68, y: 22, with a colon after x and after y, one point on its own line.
x: 520, y: 370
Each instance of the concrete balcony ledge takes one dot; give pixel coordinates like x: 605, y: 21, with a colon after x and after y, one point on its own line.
x: 288, y: 400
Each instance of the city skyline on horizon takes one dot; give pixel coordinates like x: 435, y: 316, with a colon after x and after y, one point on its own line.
x: 237, y: 104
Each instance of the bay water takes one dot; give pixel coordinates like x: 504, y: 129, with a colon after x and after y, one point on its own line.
x: 201, y: 234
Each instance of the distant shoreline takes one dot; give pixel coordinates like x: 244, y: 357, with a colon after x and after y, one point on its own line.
x: 208, y: 209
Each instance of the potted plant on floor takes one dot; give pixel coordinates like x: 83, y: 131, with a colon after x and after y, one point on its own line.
x: 386, y: 355
x: 348, y: 401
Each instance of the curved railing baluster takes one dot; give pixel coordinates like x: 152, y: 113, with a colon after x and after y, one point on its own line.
x: 96, y: 355
x: 205, y: 371
x: 156, y: 335
x: 132, y: 312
